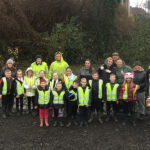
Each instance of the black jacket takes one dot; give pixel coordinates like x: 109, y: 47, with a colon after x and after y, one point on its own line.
x: 13, y: 72
x: 15, y: 86
x: 10, y: 86
x: 104, y: 75
x: 147, y: 83
x: 140, y: 79
x: 45, y: 106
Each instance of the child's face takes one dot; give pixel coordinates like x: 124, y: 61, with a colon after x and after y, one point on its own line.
x: 59, y: 87
x: 8, y: 74
x: 55, y: 76
x: 95, y: 76
x: 30, y: 73
x: 112, y: 78
x: 42, y: 74
x: 19, y: 74
x: 69, y: 71
x: 75, y: 85
x: 109, y: 62
x: 128, y: 80
x: 43, y: 84
x: 83, y: 82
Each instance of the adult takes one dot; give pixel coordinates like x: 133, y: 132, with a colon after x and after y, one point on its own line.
x: 121, y: 68
x: 86, y: 71
x: 39, y: 65
x: 59, y: 66
x: 140, y: 79
x: 106, y: 69
x: 9, y: 65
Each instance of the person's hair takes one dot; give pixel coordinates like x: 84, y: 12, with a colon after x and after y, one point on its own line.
x: 76, y: 81
x: 6, y: 66
x: 7, y: 70
x: 131, y: 85
x: 59, y: 83
x: 68, y: 68
x: 119, y: 59
x: 19, y: 70
x: 42, y: 71
x: 54, y: 73
x: 90, y: 69
x: 113, y: 74
x: 94, y: 72
x: 83, y: 79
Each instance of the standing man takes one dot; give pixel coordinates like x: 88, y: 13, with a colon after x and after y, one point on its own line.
x: 39, y: 65
x: 59, y: 66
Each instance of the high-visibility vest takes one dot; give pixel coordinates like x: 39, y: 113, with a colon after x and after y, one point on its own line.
x: 58, y: 99
x: 44, y: 97
x: 67, y: 82
x: 111, y: 93
x: 4, y: 90
x: 37, y: 68
x: 125, y: 93
x: 100, y: 84
x: 20, y: 88
x: 83, y: 96
x: 73, y: 92
x: 30, y: 83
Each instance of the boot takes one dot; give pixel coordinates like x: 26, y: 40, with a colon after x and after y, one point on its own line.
x: 115, y: 119
x: 55, y: 124
x: 86, y: 124
x: 69, y: 124
x: 81, y: 124
x: 46, y: 122
x: 91, y: 117
x: 100, y: 118
x: 4, y: 116
x: 41, y: 122
x: 61, y: 124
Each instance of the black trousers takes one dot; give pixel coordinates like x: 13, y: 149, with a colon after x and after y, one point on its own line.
x: 56, y: 115
x: 129, y: 107
x: 7, y: 103
x: 113, y: 105
x: 97, y: 105
x: 83, y: 110
x: 31, y: 100
x: 72, y: 110
x: 19, y: 104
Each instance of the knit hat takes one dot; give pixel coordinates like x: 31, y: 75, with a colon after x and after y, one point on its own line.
x: 137, y: 63
x: 129, y: 75
x: 42, y: 80
x: 115, y: 54
x: 10, y: 61
x: 38, y: 56
x: 29, y: 69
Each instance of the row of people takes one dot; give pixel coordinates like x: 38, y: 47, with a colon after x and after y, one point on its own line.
x: 87, y: 96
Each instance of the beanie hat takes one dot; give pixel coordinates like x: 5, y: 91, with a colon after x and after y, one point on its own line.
x: 129, y: 75
x: 115, y: 54
x: 10, y: 61
x: 29, y: 69
x: 38, y: 56
x: 42, y: 80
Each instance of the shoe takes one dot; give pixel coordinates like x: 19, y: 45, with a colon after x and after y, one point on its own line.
x: 41, y: 122
x: 46, y: 122
x: 69, y: 124
x: 107, y: 119
x: 55, y: 124
x: 4, y: 116
x: 91, y: 117
x: 61, y: 124
x: 100, y: 120
x: 124, y: 123
x: 75, y: 123
x: 81, y: 124
x: 115, y: 119
x: 86, y: 124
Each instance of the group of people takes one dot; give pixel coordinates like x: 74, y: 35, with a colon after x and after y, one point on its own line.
x: 111, y: 89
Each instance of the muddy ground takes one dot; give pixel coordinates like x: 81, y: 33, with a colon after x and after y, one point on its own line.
x: 24, y: 133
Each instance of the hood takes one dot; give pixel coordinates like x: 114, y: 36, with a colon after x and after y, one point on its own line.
x: 62, y: 59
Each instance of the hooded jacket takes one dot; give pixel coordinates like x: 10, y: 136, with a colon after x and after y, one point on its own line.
x: 59, y: 67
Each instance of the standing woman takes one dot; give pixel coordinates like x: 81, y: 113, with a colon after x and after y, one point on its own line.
x: 86, y: 71
x: 9, y: 65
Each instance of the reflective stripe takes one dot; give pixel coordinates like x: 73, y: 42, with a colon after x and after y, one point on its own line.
x: 67, y: 82
x: 4, y: 90
x: 83, y: 96
x: 112, y: 93
x: 71, y: 91
x: 30, y: 83
x: 99, y: 88
x: 58, y: 99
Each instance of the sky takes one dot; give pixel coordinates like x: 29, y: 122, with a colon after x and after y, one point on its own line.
x: 138, y: 3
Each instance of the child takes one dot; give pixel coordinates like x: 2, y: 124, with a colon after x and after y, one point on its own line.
x: 29, y: 85
x: 97, y: 89
x: 19, y: 92
x: 72, y: 103
x: 55, y: 79
x: 68, y: 78
x: 129, y: 96
x: 42, y: 75
x: 42, y: 101
x: 7, y: 93
x: 84, y: 98
x: 58, y: 99
x: 111, y: 97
